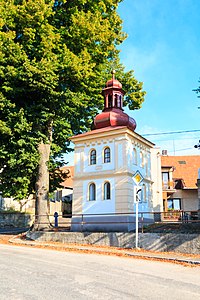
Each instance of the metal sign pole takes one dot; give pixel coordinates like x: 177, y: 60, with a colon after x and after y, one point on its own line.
x: 137, y: 178
x: 136, y: 224
x: 137, y: 198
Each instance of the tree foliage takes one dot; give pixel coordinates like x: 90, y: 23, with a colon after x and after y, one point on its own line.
x: 55, y: 57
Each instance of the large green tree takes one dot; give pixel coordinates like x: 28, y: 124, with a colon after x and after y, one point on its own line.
x: 55, y: 57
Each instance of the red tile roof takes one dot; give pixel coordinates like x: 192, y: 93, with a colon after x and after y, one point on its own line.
x: 68, y: 182
x: 185, y: 167
x: 95, y: 131
x: 107, y: 129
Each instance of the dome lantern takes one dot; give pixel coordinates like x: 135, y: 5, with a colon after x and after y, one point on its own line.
x: 112, y: 114
x: 113, y: 93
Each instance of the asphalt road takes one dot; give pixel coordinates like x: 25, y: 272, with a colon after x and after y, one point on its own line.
x: 30, y: 273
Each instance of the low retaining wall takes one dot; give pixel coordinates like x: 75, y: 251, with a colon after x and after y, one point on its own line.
x: 183, y: 243
x: 8, y: 219
x: 106, y: 223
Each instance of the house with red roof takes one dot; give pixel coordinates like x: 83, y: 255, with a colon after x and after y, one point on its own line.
x: 179, y: 179
x: 61, y: 198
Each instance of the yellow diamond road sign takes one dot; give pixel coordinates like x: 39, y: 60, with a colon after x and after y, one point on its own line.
x: 137, y: 177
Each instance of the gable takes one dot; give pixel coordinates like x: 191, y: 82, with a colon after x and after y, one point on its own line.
x: 185, y: 168
x: 68, y: 182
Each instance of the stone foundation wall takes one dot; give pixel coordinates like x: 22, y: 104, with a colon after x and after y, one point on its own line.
x: 15, y: 220
x: 183, y: 243
x: 106, y: 223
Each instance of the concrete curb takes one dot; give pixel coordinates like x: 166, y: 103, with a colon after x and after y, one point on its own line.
x: 164, y: 256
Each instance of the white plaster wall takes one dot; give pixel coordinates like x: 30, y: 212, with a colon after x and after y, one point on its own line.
x: 135, y: 162
x: 120, y: 162
x: 156, y: 178
x: 99, y: 205
x: 148, y: 166
x: 145, y: 203
x: 77, y: 159
x: 100, y: 165
x: 143, y: 166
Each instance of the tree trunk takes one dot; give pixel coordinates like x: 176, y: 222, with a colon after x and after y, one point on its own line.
x: 42, y: 189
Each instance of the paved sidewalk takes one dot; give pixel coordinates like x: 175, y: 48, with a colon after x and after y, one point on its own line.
x: 135, y: 253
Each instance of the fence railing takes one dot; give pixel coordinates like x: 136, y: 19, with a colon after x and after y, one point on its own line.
x: 144, y: 218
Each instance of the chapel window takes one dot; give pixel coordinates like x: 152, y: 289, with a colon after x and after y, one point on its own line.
x: 92, y: 192
x: 93, y: 157
x: 107, y: 155
x: 109, y: 100
x: 134, y: 156
x: 106, y: 191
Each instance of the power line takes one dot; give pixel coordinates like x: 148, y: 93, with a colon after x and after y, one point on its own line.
x: 176, y: 150
x: 175, y: 139
x: 171, y: 132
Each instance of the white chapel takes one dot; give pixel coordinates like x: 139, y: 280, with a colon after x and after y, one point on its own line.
x: 106, y: 161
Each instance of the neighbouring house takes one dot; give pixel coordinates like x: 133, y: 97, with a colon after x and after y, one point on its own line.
x: 107, y: 158
x: 179, y: 179
x: 10, y: 204
x: 61, y: 199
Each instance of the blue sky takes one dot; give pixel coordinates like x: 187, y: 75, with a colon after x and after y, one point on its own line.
x: 163, y: 48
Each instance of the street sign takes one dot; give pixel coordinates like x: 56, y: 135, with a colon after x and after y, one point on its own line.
x: 137, y: 177
x: 137, y: 193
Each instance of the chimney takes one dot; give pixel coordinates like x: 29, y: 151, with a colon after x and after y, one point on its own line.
x: 164, y: 152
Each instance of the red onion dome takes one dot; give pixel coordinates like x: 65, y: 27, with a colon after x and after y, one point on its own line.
x: 113, y: 117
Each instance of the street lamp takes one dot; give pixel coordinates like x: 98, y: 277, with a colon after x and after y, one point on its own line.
x: 198, y: 145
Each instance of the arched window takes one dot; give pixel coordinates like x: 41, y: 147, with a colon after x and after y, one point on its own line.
x: 107, y: 155
x: 106, y: 191
x: 142, y: 159
x: 116, y: 99
x: 92, y: 192
x: 104, y: 101
x: 119, y: 101
x: 134, y: 156
x: 109, y: 100
x: 144, y: 193
x: 148, y: 166
x: 93, y: 157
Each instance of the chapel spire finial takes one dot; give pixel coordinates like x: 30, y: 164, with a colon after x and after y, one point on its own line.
x: 113, y: 74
